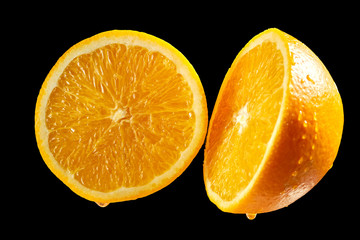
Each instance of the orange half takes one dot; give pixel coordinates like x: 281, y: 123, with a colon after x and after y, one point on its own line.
x: 275, y: 129
x: 120, y: 116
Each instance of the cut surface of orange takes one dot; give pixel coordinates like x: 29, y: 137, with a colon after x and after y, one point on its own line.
x: 120, y: 116
x: 275, y: 129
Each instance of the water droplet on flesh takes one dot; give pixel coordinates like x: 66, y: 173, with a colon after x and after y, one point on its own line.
x: 251, y: 216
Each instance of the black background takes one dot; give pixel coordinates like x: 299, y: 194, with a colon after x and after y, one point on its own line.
x: 210, y: 39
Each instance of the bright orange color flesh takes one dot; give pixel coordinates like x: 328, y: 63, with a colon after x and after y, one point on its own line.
x: 275, y: 128
x: 121, y: 121
x: 95, y: 111
x: 240, y: 116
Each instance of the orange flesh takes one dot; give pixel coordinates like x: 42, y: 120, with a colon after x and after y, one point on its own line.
x: 128, y: 106
x: 246, y: 114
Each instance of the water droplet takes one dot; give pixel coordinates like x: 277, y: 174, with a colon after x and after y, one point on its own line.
x: 316, y: 127
x: 313, y: 146
x: 301, y: 160
x: 305, y: 124
x: 102, y: 204
x: 251, y: 216
x: 294, y: 174
x: 300, y: 116
x: 303, y: 136
x: 316, y: 136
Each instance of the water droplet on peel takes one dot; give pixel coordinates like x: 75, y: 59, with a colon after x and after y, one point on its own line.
x: 315, y: 117
x: 102, y: 204
x: 305, y: 124
x: 300, y: 115
x: 301, y: 160
x: 251, y: 216
x: 294, y: 173
x: 303, y: 136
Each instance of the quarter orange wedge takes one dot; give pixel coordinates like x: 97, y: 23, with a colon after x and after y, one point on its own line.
x: 120, y: 116
x: 275, y: 129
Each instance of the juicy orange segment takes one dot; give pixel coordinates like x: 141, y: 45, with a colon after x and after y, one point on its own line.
x: 120, y: 116
x: 275, y: 129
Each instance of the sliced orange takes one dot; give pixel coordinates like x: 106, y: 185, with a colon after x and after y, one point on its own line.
x: 275, y: 129
x: 120, y: 116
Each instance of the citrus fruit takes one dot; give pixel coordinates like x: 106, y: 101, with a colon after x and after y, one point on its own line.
x: 120, y: 116
x: 275, y: 129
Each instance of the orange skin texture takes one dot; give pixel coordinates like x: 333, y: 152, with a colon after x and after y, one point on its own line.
x: 308, y: 140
